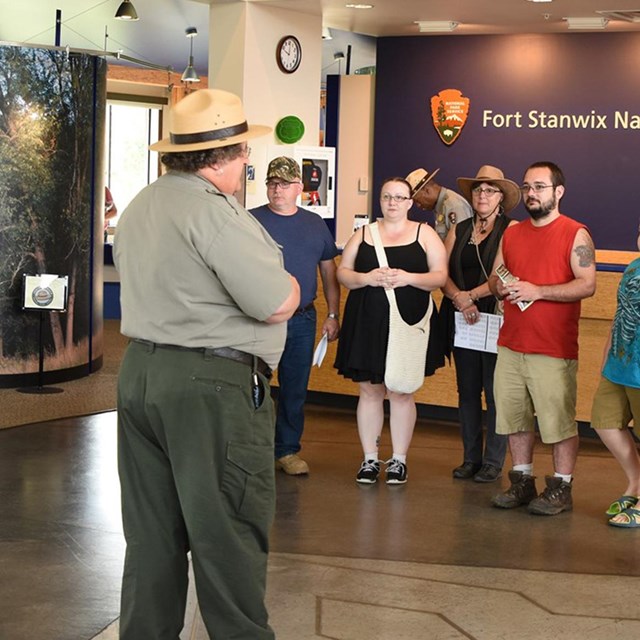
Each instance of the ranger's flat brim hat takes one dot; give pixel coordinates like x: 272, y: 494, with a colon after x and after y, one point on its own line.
x: 419, y: 178
x: 207, y: 119
x: 492, y: 175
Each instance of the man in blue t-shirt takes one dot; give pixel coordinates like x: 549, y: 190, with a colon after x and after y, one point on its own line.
x: 307, y: 244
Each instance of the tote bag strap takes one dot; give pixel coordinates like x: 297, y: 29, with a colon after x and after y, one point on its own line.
x: 382, y: 261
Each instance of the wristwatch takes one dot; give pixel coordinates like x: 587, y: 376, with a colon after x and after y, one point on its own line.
x: 333, y: 316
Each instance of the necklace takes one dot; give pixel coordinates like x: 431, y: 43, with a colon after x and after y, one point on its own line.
x: 476, y: 232
x: 483, y: 222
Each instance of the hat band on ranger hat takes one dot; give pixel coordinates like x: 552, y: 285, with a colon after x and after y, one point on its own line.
x: 206, y: 136
x: 421, y: 184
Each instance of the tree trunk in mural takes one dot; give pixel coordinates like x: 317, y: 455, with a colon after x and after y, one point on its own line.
x: 48, y: 122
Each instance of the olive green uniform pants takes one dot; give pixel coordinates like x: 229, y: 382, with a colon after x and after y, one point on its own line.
x: 195, y: 460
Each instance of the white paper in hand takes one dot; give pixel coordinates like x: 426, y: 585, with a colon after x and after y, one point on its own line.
x: 321, y: 350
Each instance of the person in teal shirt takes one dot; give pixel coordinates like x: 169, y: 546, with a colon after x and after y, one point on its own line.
x: 617, y: 399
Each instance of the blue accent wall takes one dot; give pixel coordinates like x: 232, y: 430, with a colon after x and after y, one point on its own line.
x: 586, y: 75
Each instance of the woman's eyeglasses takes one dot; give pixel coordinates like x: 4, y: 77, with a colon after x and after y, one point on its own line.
x: 489, y: 191
x: 387, y: 197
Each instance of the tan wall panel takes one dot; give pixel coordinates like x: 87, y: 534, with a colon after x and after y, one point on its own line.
x: 440, y: 389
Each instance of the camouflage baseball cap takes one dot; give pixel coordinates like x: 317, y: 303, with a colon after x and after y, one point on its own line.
x: 286, y: 169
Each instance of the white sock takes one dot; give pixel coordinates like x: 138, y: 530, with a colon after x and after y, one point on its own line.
x: 399, y: 458
x: 565, y: 477
x: 527, y: 469
x: 371, y: 457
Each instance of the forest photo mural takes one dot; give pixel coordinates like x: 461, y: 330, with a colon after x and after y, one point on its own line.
x: 52, y: 106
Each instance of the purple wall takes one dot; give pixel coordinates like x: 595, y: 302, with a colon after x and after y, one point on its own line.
x: 573, y: 74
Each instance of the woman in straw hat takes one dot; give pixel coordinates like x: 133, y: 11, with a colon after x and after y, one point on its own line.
x: 205, y: 300
x: 471, y: 247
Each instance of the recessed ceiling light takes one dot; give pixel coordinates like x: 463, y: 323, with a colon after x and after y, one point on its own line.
x: 539, y: 0
x: 586, y: 23
x: 436, y: 26
x: 359, y: 6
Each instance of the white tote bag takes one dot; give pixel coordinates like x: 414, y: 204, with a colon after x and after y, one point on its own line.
x: 407, y: 343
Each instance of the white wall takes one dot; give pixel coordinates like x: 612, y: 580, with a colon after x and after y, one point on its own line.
x: 242, y: 59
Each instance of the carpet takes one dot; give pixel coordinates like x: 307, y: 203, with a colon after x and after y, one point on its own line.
x: 92, y: 394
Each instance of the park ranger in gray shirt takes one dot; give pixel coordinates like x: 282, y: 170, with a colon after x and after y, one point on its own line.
x: 205, y: 300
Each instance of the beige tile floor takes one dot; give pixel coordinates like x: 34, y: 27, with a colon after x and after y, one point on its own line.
x: 314, y: 597
x: 432, y: 560
x: 425, y: 561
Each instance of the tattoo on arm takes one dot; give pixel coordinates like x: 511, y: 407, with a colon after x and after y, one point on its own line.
x: 586, y: 254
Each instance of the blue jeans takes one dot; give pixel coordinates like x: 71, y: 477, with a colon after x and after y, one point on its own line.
x: 293, y: 378
x: 474, y: 373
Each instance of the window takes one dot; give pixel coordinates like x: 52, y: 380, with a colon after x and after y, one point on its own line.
x: 130, y: 166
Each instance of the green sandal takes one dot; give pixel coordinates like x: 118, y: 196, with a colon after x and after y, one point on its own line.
x: 631, y: 519
x: 619, y: 505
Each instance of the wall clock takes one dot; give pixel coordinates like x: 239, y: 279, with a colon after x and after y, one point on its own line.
x: 289, y: 54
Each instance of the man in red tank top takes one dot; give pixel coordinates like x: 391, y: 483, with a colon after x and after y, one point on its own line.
x: 551, y: 259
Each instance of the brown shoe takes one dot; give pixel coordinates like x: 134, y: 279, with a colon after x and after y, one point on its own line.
x: 522, y: 491
x: 292, y: 465
x: 555, y: 499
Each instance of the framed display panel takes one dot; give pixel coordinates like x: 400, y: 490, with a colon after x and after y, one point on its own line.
x: 318, y: 165
x: 46, y: 292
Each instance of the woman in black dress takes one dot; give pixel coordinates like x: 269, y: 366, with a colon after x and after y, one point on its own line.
x: 471, y: 248
x: 417, y: 266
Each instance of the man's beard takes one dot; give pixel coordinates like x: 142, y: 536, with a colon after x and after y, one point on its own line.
x: 543, y: 209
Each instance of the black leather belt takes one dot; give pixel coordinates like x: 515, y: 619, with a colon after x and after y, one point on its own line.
x: 307, y: 307
x: 228, y: 353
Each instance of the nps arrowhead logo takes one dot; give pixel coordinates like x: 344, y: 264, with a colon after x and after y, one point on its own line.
x: 449, y: 111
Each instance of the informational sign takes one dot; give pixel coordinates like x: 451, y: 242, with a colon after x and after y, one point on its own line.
x: 46, y: 292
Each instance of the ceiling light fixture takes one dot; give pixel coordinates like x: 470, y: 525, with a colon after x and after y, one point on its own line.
x: 586, y: 23
x: 190, y: 74
x: 628, y: 15
x: 126, y: 11
x: 539, y: 0
x: 436, y: 26
x: 359, y: 6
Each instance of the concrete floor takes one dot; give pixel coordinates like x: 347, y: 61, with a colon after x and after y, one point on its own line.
x: 428, y: 560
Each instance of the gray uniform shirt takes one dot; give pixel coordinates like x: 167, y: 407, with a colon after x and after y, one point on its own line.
x: 197, y: 270
x: 450, y: 208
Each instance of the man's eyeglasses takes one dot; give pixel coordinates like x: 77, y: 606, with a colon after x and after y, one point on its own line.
x: 490, y: 191
x: 537, y: 187
x: 388, y: 197
x: 275, y: 184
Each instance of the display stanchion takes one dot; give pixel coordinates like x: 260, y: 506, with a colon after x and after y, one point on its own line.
x: 43, y: 293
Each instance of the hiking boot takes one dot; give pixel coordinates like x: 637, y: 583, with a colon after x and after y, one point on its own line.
x: 293, y: 465
x: 555, y: 499
x: 466, y: 470
x: 396, y: 472
x: 522, y: 491
x: 369, y: 471
x: 488, y: 473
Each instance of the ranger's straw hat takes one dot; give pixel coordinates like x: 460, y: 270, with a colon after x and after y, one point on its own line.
x: 493, y: 175
x: 207, y: 119
x: 419, y: 178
